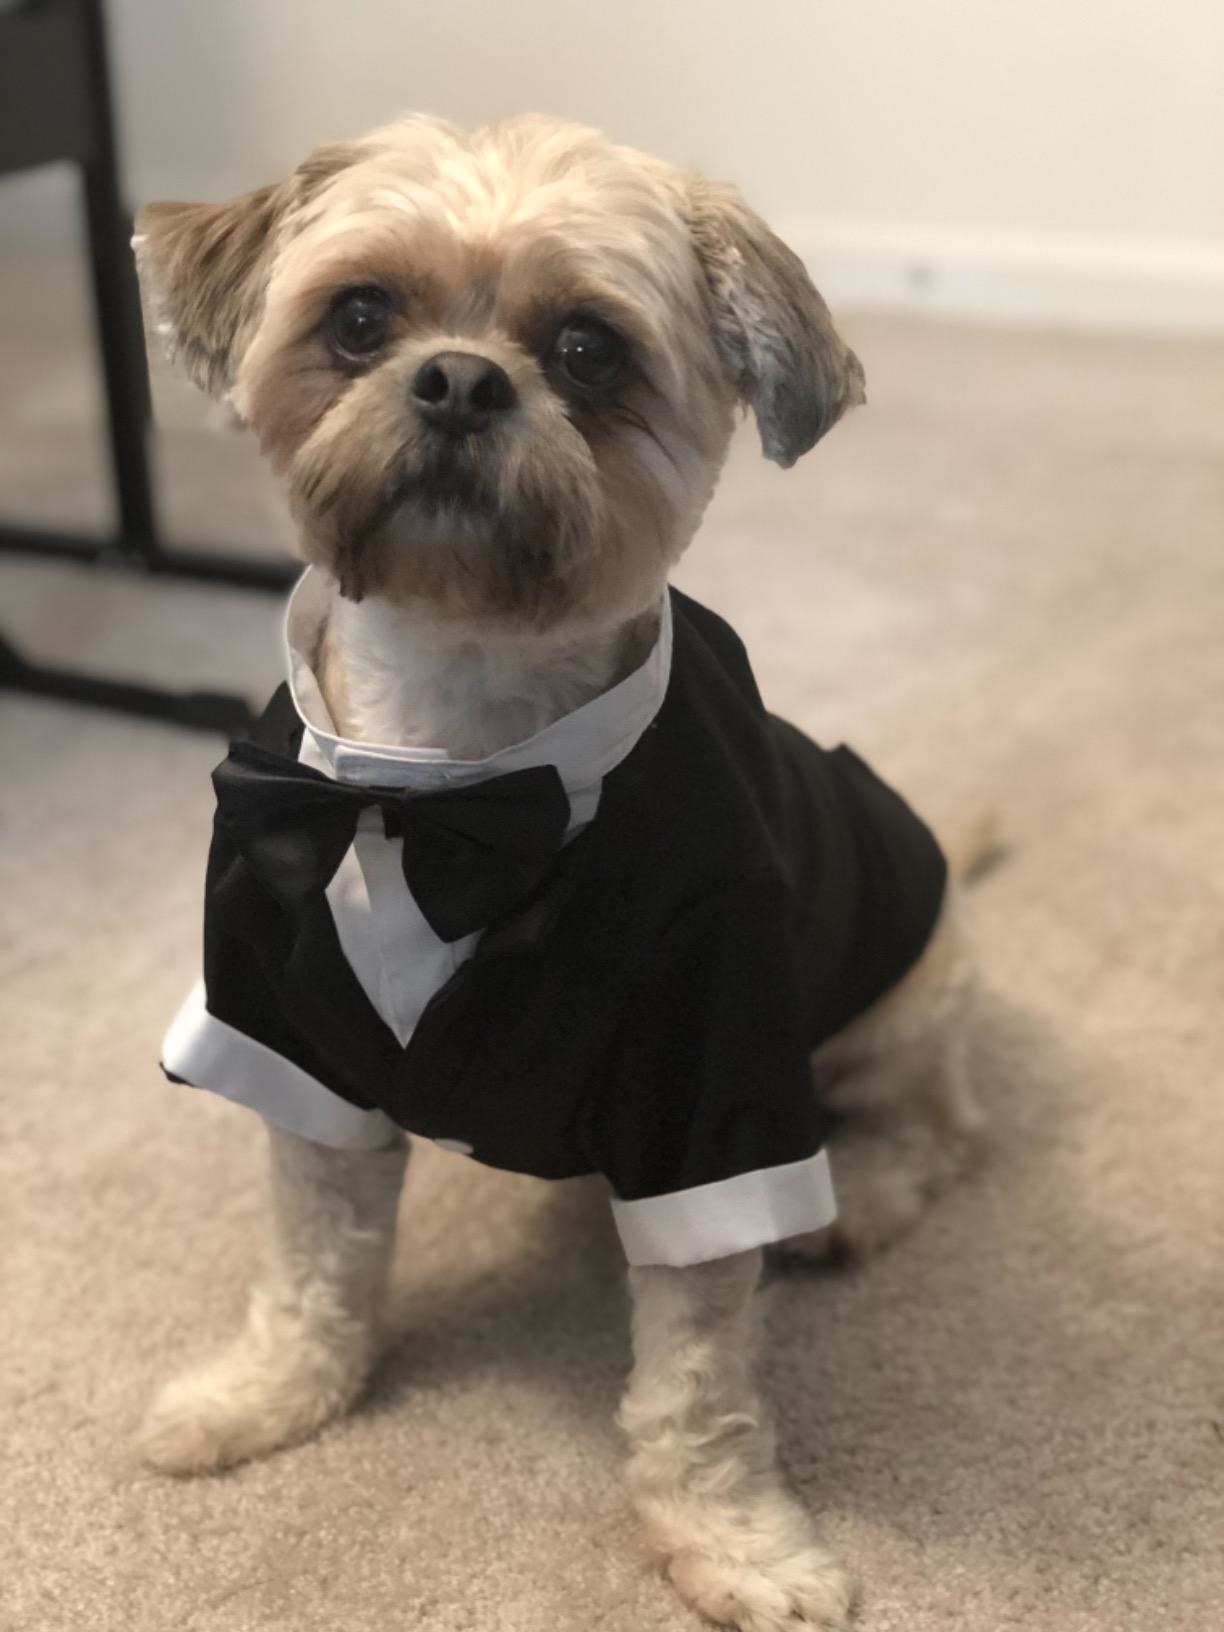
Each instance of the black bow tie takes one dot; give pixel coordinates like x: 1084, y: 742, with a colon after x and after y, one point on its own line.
x: 470, y: 854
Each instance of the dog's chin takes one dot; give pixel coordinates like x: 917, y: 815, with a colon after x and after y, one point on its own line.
x: 449, y: 546
x: 425, y: 528
x: 446, y: 484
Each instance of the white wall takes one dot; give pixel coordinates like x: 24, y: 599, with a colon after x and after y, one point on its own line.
x: 1048, y: 159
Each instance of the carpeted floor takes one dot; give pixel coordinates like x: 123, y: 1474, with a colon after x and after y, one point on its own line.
x: 1004, y: 580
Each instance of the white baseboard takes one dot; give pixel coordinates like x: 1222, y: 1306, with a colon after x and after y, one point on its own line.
x: 1154, y: 287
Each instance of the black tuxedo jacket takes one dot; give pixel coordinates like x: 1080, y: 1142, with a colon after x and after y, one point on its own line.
x: 740, y: 895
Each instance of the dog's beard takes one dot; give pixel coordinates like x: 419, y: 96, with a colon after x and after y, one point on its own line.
x: 447, y: 480
x: 468, y: 526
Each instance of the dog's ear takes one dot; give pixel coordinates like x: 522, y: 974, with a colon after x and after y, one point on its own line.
x: 202, y: 271
x: 772, y: 327
x: 203, y: 267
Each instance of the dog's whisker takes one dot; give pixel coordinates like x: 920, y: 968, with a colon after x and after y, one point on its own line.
x: 637, y: 421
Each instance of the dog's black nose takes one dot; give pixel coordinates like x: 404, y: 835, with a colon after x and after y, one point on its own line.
x: 459, y: 391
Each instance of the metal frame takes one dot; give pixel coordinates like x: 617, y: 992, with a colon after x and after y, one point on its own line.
x: 55, y: 105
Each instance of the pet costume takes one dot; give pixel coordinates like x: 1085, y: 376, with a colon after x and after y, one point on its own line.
x: 609, y: 949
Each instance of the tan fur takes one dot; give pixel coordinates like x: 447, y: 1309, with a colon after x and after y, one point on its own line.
x: 479, y: 593
x: 487, y: 242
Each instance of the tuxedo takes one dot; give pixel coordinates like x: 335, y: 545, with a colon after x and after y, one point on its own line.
x: 713, y: 897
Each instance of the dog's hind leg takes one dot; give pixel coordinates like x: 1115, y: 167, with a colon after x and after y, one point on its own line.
x: 909, y: 1125
x: 907, y: 1121
x: 310, y: 1336
x: 703, y: 1473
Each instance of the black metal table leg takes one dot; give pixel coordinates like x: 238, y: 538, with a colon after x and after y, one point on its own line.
x: 117, y: 307
x: 196, y: 710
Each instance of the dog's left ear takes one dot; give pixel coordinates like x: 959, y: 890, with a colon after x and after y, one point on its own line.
x: 773, y: 329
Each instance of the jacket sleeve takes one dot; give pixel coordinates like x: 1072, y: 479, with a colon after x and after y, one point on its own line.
x: 234, y: 1036
x: 708, y: 1127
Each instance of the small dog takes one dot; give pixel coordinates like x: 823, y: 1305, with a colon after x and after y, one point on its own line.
x: 516, y: 860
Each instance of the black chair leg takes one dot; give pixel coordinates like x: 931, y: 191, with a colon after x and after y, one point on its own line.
x: 124, y: 371
x: 117, y: 312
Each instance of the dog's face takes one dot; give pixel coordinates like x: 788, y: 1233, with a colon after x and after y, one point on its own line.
x: 498, y: 372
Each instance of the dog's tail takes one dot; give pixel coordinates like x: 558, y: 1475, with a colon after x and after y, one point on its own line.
x: 974, y: 846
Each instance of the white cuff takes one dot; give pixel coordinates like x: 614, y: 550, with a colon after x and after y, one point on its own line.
x: 206, y: 1053
x: 728, y: 1216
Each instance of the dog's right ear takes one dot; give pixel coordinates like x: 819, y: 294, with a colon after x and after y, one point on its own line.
x: 203, y: 267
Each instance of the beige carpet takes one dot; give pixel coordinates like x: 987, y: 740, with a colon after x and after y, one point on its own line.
x: 1006, y: 578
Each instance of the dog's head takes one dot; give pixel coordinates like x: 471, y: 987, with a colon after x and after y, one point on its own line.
x: 497, y: 372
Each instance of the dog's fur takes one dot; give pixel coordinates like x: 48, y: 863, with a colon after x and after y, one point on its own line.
x: 480, y: 596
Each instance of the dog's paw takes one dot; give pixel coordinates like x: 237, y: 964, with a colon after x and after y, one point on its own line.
x: 243, y: 1405
x: 821, y: 1247
x: 869, y: 1221
x: 883, y: 1189
x: 754, y: 1563
x: 782, y: 1594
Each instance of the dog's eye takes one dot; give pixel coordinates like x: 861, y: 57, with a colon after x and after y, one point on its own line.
x: 590, y: 354
x: 358, y: 323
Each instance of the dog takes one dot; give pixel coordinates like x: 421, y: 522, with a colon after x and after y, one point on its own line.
x: 498, y: 374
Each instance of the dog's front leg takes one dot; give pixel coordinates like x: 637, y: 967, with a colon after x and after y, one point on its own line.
x: 702, y: 1465
x: 311, y: 1332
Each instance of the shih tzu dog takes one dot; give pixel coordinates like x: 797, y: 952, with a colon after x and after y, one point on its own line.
x: 516, y: 860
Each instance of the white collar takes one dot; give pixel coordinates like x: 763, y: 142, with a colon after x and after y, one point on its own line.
x: 584, y: 746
